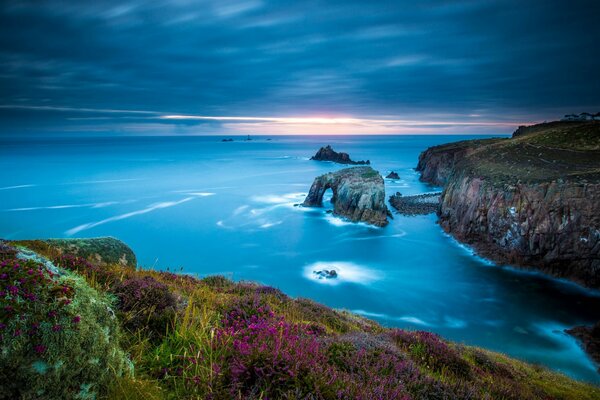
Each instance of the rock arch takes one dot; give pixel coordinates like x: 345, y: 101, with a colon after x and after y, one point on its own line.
x: 358, y: 194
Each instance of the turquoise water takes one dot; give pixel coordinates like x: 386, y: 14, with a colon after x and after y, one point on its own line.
x: 228, y: 208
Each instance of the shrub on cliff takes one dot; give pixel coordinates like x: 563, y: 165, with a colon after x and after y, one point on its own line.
x: 430, y: 351
x: 146, y: 304
x: 58, y: 336
x: 83, y: 267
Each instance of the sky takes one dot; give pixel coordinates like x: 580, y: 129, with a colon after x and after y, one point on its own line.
x: 233, y: 67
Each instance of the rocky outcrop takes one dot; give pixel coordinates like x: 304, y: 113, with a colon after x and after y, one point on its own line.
x: 328, y: 154
x: 392, y: 175
x: 420, y: 204
x: 531, y: 201
x: 358, y: 194
x: 437, y: 163
x: 589, y: 337
x: 100, y: 251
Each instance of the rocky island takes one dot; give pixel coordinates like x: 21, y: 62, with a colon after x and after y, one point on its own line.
x: 328, y: 154
x: 358, y: 194
x: 76, y: 327
x: 532, y: 200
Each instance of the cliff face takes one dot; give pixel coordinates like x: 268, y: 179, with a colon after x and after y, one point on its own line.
x: 553, y: 226
x: 531, y: 201
x: 358, y: 194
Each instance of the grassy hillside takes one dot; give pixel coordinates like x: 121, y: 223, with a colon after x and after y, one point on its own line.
x: 212, y: 338
x: 543, y: 152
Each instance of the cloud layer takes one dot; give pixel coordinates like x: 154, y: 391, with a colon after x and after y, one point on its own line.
x: 121, y: 67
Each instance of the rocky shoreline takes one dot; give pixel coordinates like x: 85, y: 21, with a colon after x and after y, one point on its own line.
x: 589, y: 337
x: 420, y: 204
x: 531, y: 201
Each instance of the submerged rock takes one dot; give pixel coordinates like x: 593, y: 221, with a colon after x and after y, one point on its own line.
x: 358, y: 194
x: 393, y: 175
x: 328, y: 154
x: 326, y: 274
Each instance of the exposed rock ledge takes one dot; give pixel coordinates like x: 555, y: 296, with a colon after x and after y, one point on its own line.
x: 328, y: 154
x: 420, y: 204
x: 100, y: 251
x: 358, y: 194
x: 531, y: 201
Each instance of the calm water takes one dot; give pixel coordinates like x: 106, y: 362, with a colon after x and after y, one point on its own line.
x: 227, y: 208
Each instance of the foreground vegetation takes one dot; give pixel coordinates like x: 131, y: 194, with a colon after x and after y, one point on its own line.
x: 70, y: 328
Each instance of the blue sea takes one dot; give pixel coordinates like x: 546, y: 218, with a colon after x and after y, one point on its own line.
x: 201, y: 206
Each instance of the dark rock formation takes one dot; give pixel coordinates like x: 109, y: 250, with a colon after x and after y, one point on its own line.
x: 393, y: 175
x: 358, y: 194
x: 227, y: 140
x: 328, y: 154
x: 416, y: 205
x: 99, y: 251
x: 589, y: 336
x: 326, y: 274
x: 531, y: 201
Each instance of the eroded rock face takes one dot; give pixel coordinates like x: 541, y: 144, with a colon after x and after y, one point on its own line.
x: 554, y: 226
x: 531, y: 201
x: 358, y: 194
x: 328, y: 154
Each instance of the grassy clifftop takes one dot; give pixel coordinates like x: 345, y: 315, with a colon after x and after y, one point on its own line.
x: 213, y: 338
x: 543, y: 152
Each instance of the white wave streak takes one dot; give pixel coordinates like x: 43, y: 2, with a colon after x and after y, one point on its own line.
x: 151, y: 208
x: 16, y: 187
x: 64, y: 206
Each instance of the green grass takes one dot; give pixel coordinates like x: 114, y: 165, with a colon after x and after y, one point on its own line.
x: 194, y: 357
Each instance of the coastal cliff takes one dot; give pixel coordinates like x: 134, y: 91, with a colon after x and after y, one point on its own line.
x: 358, y: 194
x: 437, y: 163
x: 531, y: 201
x: 78, y: 329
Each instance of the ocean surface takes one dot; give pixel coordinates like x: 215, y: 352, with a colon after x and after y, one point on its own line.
x: 205, y: 207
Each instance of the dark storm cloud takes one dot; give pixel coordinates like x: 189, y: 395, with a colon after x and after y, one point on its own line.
x: 482, y: 61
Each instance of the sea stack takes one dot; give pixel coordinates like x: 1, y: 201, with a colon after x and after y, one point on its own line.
x: 328, y: 154
x: 358, y: 194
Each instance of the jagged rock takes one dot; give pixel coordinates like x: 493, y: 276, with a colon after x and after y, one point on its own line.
x: 393, y: 175
x: 358, y: 194
x: 328, y: 154
x: 420, y: 204
x: 531, y: 201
